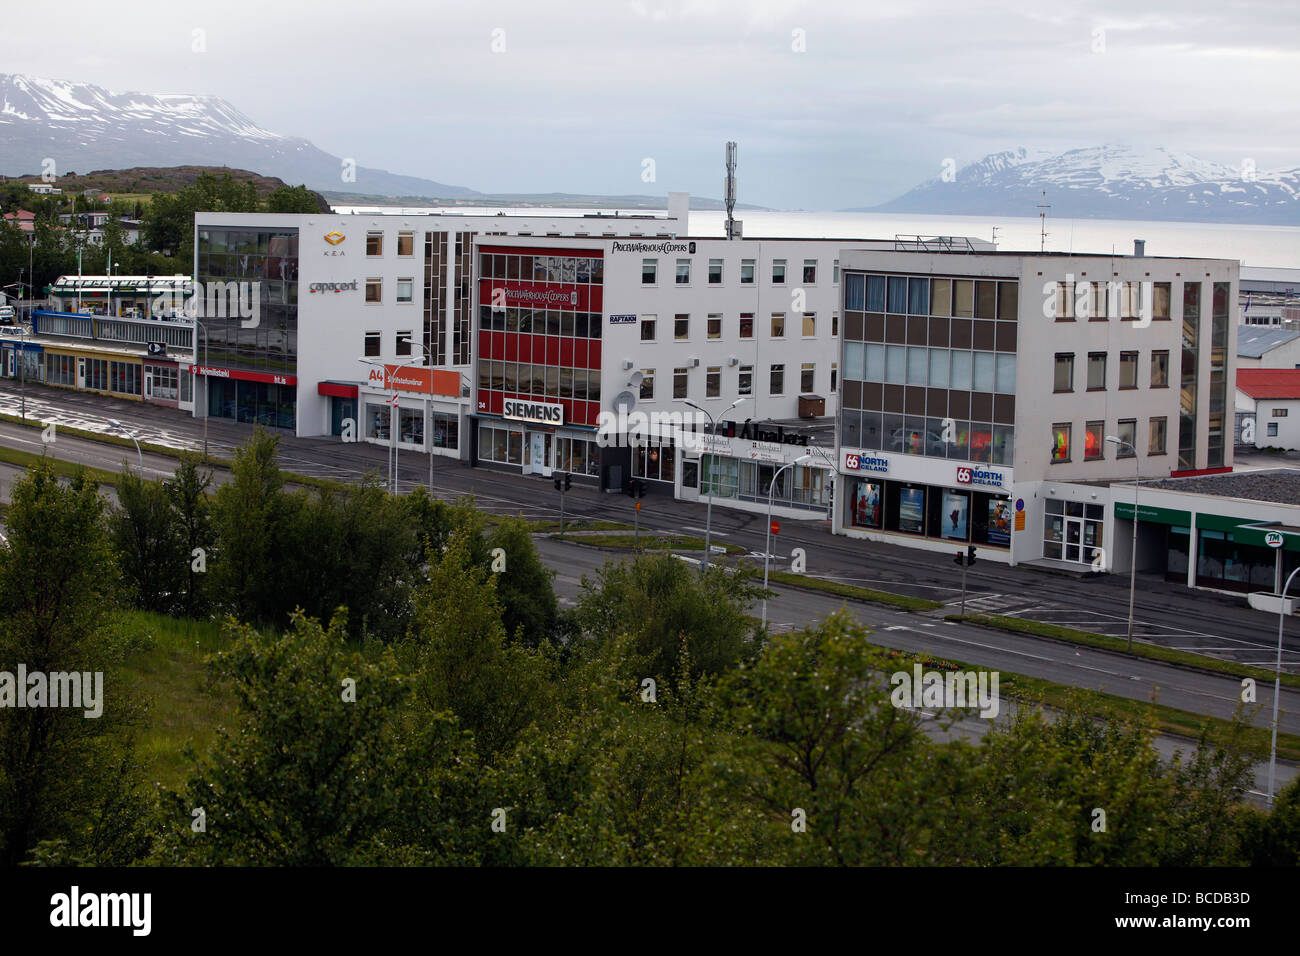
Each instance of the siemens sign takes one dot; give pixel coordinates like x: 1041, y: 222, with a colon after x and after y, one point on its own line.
x: 544, y: 413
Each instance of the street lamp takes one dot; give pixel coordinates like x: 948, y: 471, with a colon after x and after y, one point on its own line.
x: 199, y: 326
x: 767, y: 548
x: 131, y: 435
x: 1132, y: 570
x: 21, y: 355
x: 428, y: 411
x: 1277, y: 684
x: 708, y: 514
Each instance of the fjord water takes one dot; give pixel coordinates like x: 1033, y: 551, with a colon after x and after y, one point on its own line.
x: 1276, y: 246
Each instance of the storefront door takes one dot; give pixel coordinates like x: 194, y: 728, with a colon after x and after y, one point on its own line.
x: 1074, y: 540
x: 548, y: 453
x: 148, y: 384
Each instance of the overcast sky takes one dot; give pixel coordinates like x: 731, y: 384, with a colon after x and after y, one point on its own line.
x: 578, y: 93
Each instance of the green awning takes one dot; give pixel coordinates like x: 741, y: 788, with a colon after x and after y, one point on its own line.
x: 1152, y: 514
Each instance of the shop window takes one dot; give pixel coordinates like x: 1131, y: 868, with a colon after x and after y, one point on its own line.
x: 866, y: 506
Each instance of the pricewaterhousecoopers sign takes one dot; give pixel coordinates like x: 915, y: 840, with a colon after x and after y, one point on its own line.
x: 663, y: 247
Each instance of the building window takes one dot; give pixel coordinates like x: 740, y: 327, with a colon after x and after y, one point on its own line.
x: 778, y: 325
x: 406, y: 243
x: 680, y: 381
x: 1127, y: 434
x: 683, y: 271
x: 647, y: 328
x: 835, y: 371
x: 1156, y: 440
x: 374, y: 243
x: 778, y: 272
x: 835, y: 325
x: 809, y: 271
x: 1162, y: 293
x: 1130, y: 300
x: 372, y: 344
x: 374, y: 290
x: 1279, y: 412
x: 715, y: 272
x: 746, y: 271
x: 835, y: 273
x: 713, y: 381
x: 1096, y: 371
x: 649, y: 270
x: 681, y: 327
x: 1094, y: 439
x: 807, y: 378
x: 1065, y: 302
x: 809, y: 324
x: 714, y: 327
x: 1098, y: 308
x: 405, y: 289
x: 404, y: 343
x: 776, y: 383
x: 647, y: 384
x: 1128, y: 370
x: 1060, y: 442
x: 1272, y: 429
x: 747, y: 325
x: 1160, y: 369
x: 746, y: 384
x: 1064, y: 379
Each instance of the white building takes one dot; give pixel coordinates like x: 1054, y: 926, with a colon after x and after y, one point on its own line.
x: 1269, y: 401
x: 1262, y: 347
x: 979, y: 391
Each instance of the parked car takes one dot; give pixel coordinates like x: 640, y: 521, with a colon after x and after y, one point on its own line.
x: 7, y: 315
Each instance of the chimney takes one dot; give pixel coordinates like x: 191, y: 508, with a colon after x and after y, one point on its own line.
x: 1139, y: 247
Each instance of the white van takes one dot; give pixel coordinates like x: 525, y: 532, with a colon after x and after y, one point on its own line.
x: 6, y: 315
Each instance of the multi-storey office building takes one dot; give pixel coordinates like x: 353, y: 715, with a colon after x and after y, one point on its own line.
x: 573, y: 329
x: 331, y: 290
x: 979, y: 392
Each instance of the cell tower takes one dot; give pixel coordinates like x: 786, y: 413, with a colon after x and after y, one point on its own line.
x: 729, y: 191
x: 1042, y: 216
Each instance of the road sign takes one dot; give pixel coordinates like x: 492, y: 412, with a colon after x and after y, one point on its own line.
x: 638, y: 507
x: 1274, y: 539
x: 776, y: 527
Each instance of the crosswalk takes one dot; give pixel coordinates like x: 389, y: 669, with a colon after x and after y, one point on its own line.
x: 996, y: 603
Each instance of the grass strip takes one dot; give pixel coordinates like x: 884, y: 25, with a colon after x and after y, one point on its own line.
x: 649, y: 542
x: 1155, y: 652
x: 904, y: 601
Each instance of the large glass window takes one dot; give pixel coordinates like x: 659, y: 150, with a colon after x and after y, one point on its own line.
x: 1094, y: 441
x: 1060, y: 442
x: 1096, y: 371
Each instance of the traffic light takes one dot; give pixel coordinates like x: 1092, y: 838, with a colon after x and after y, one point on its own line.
x: 958, y: 559
x: 970, y: 556
x: 559, y: 481
x: 568, y: 480
x: 635, y: 488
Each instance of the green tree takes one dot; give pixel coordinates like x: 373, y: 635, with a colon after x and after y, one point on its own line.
x: 187, y: 490
x: 145, y: 535
x: 528, y: 606
x: 295, y: 199
x: 659, y: 600
x: 69, y: 787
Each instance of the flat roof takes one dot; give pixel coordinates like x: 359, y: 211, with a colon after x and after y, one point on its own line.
x: 1275, y: 485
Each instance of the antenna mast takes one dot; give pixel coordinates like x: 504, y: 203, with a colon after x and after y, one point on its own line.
x: 729, y: 190
x: 1042, y: 216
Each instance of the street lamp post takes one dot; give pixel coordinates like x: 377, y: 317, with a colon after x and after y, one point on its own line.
x: 204, y: 369
x: 21, y: 355
x: 131, y: 435
x: 1277, y: 685
x: 428, y: 412
x: 708, y: 513
x: 767, y: 548
x: 1132, y: 570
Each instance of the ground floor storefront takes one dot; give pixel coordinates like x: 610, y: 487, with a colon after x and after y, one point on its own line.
x: 420, y: 424
x: 537, y: 449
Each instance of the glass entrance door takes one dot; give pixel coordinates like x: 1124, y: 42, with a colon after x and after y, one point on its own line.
x: 1074, y: 540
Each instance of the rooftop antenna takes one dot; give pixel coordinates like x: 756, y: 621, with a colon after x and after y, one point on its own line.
x: 729, y: 190
x: 1042, y: 215
x: 995, y: 235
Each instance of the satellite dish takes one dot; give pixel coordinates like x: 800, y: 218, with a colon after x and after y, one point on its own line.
x: 634, y: 380
x: 624, y: 402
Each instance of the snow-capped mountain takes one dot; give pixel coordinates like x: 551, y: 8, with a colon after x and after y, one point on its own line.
x: 84, y: 127
x: 1109, y: 182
